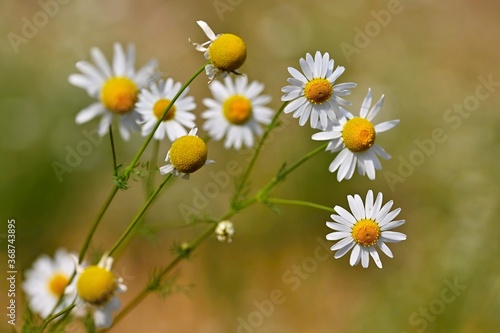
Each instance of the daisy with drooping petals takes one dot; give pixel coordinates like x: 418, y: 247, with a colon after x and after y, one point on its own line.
x: 46, y: 282
x: 367, y: 225
x: 355, y: 137
x: 97, y: 286
x: 236, y: 111
x: 312, y: 93
x: 154, y: 101
x: 226, y: 52
x: 187, y: 154
x: 116, y: 88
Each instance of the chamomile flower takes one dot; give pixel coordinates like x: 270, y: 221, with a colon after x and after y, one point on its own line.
x: 313, y: 93
x: 226, y: 52
x: 366, y: 226
x: 224, y: 231
x: 187, y: 154
x: 154, y: 101
x: 46, y: 282
x: 355, y: 138
x: 236, y: 112
x: 116, y: 88
x: 97, y: 286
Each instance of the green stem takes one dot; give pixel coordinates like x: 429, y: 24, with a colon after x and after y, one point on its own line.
x: 139, y: 215
x: 132, y: 164
x: 152, y: 169
x: 112, y: 148
x: 96, y: 223
x: 286, y: 171
x: 256, y: 153
x: 54, y: 316
x: 299, y: 203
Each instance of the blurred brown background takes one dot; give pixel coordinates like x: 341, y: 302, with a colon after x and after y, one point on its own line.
x: 429, y: 58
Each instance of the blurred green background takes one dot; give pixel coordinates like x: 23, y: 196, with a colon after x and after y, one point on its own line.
x: 427, y: 57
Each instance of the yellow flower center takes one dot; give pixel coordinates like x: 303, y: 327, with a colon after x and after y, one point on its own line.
x: 188, y: 153
x: 96, y: 285
x: 119, y: 94
x: 57, y: 283
x: 237, y: 109
x: 366, y: 232
x: 227, y: 53
x: 161, y: 106
x: 358, y: 134
x: 318, y: 90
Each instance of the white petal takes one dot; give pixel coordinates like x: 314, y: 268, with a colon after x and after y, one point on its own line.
x: 366, y: 104
x: 355, y: 255
x: 101, y: 61
x: 385, y: 126
x: 365, y: 258
x: 345, y: 214
x: 119, y: 62
x: 322, y: 136
x: 393, y: 236
x: 204, y: 26
x: 374, y: 111
x: 369, y: 204
x: 89, y: 113
x: 375, y: 256
x: 338, y: 235
x: 297, y: 75
x: 385, y: 249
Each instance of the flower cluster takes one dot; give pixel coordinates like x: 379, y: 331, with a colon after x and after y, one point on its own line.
x: 239, y: 113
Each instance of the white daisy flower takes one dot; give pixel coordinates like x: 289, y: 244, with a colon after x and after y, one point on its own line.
x: 312, y: 93
x: 224, y: 231
x: 97, y: 286
x: 46, y: 282
x: 367, y: 225
x: 226, y: 52
x: 236, y: 111
x: 355, y: 137
x: 116, y: 88
x: 187, y: 154
x: 154, y: 101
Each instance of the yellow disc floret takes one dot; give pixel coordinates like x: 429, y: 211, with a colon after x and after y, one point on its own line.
x: 237, y: 109
x: 366, y: 232
x: 188, y: 153
x: 96, y: 285
x: 318, y: 90
x: 119, y: 95
x: 161, y: 106
x: 57, y: 283
x: 358, y: 134
x: 227, y: 53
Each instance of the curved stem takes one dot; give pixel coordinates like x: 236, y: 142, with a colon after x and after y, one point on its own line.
x: 132, y: 164
x: 138, y: 216
x: 54, y: 316
x: 257, y: 151
x: 299, y: 203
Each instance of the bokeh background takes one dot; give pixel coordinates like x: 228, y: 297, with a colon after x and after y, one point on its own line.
x: 426, y: 57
